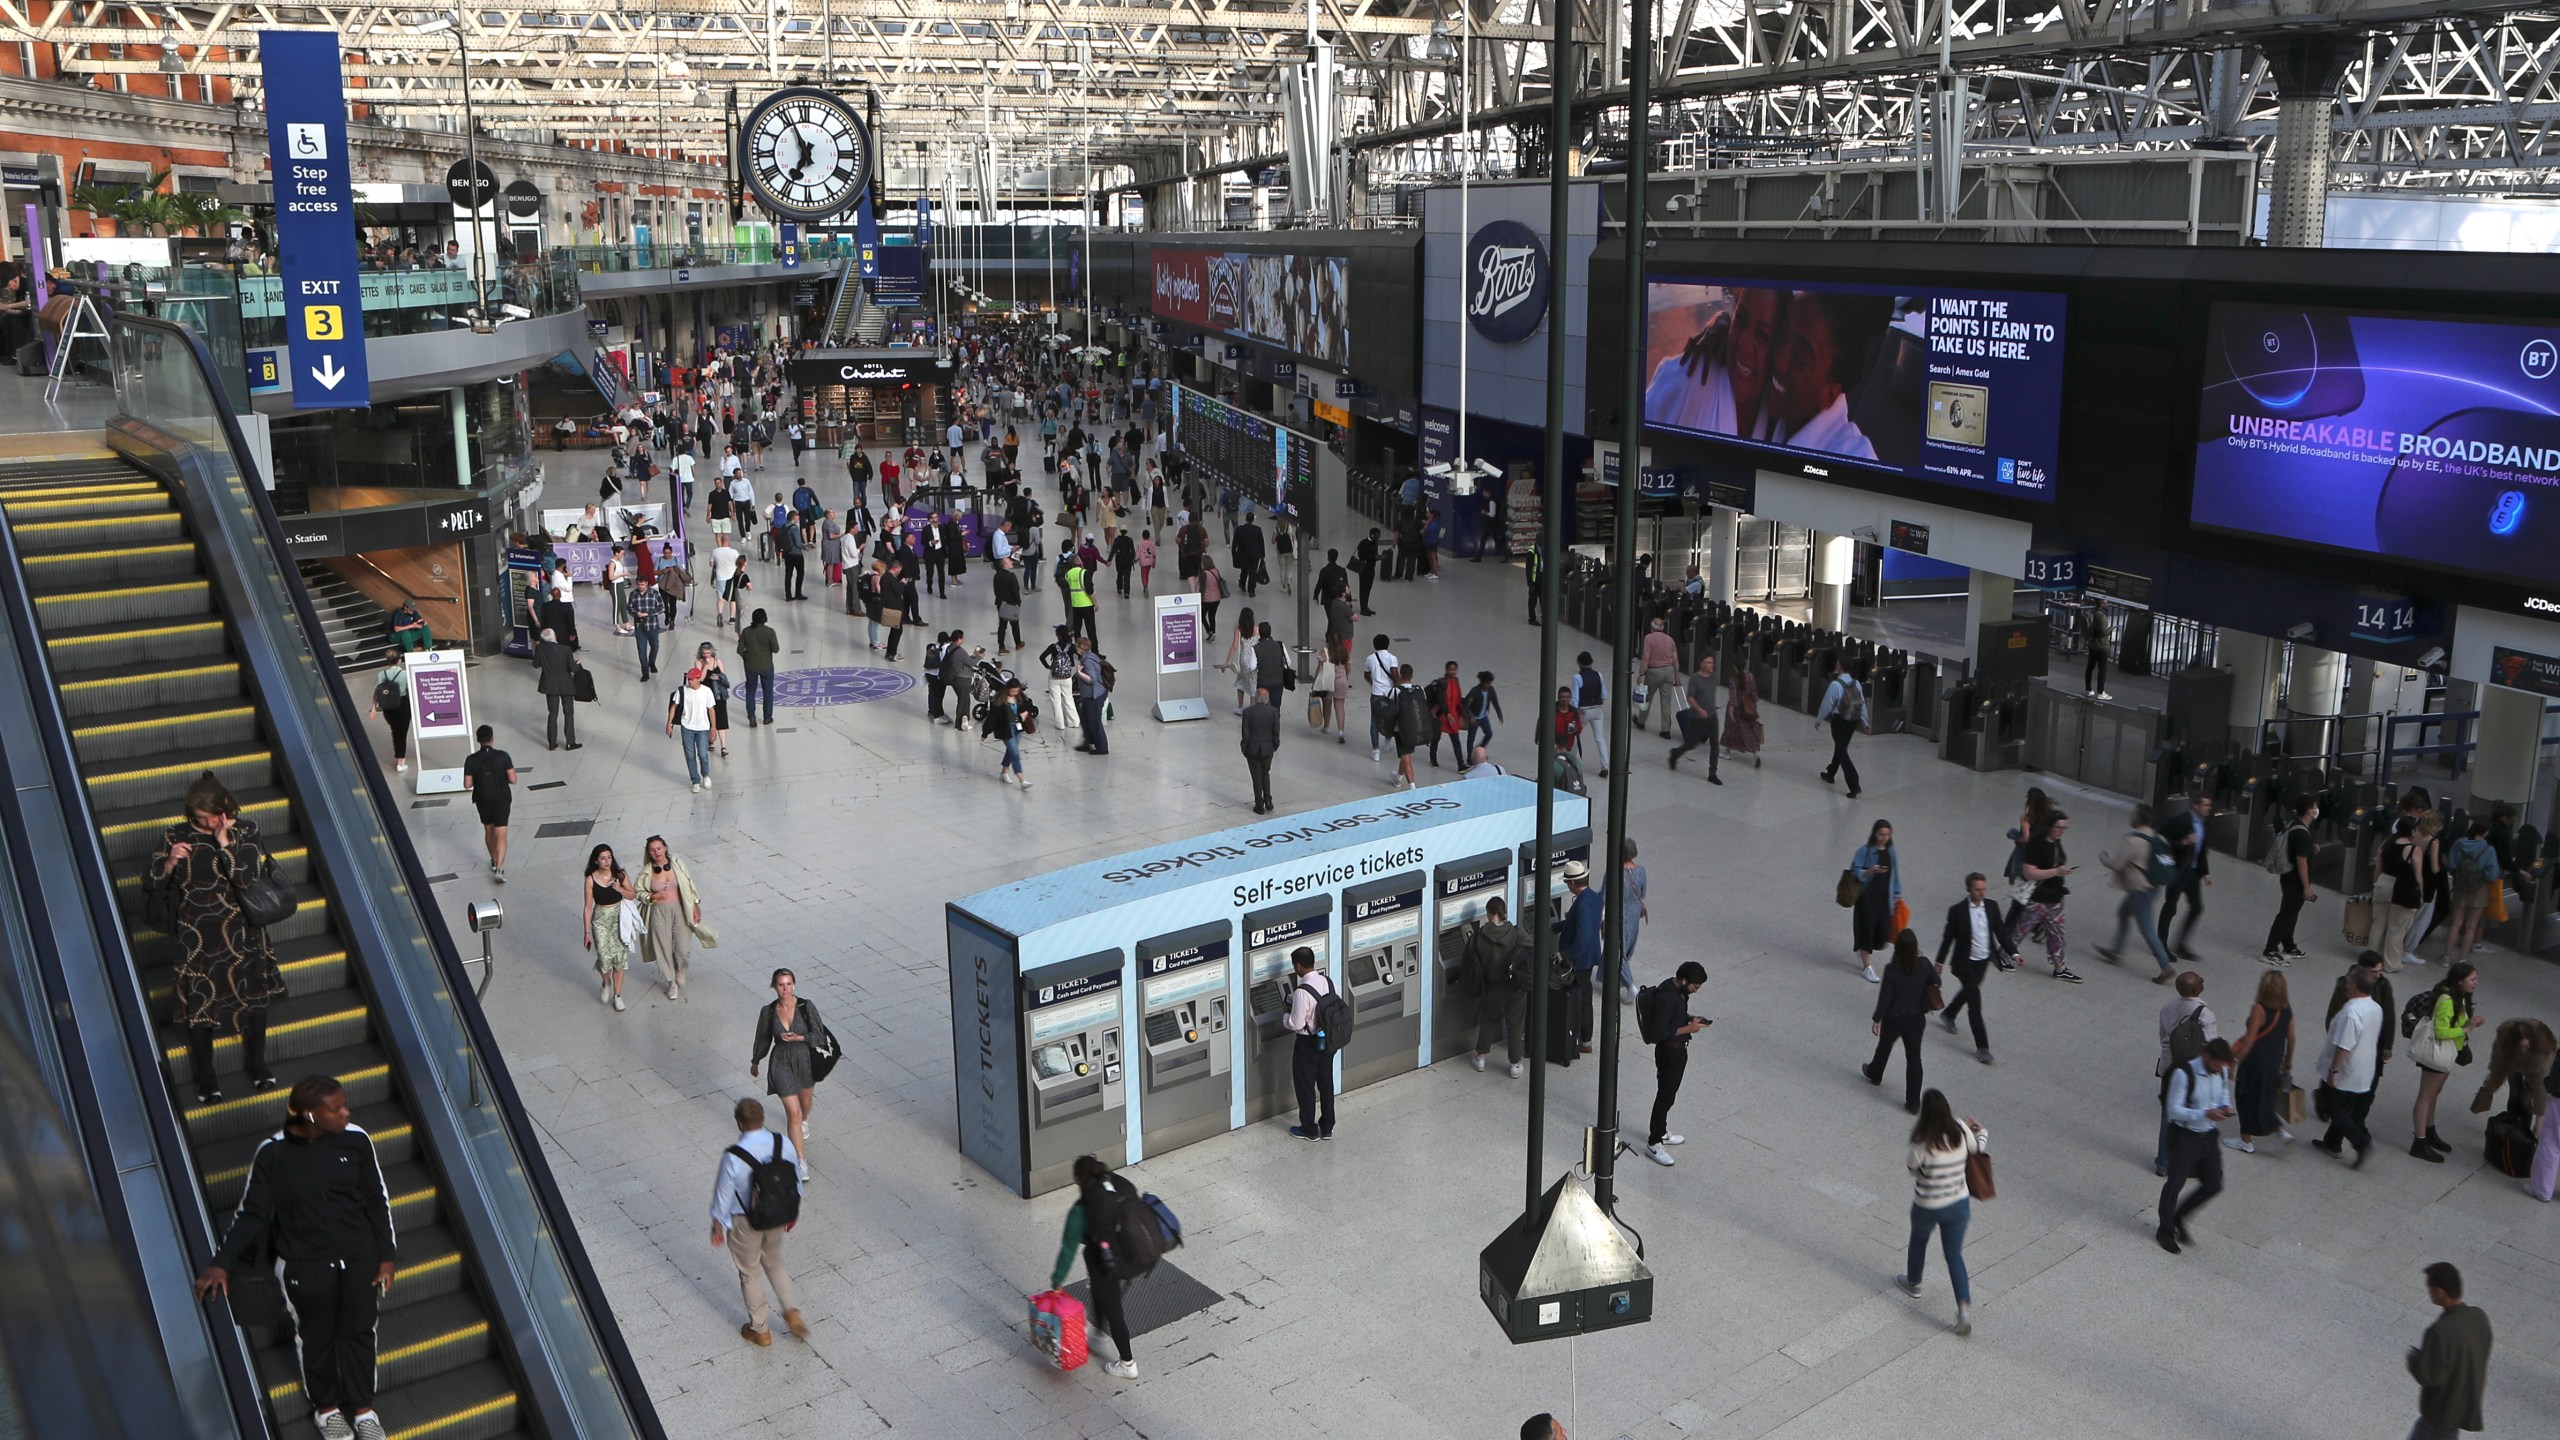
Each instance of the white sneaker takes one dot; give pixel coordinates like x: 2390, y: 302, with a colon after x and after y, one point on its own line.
x: 1660, y: 1155
x: 1872, y: 977
x: 604, y: 993
x: 697, y: 787
x: 369, y: 1427
x: 2236, y: 1143
x: 334, y: 1426
x: 618, y: 1005
x: 402, y: 768
x: 1515, y: 1069
x: 1121, y: 1369
x: 1478, y: 1062
x: 1373, y: 754
x: 1675, y: 1139
x: 1025, y: 784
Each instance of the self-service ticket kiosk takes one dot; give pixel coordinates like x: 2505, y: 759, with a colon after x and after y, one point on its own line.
x: 1458, y: 892
x: 1570, y: 845
x: 1184, y: 989
x: 1269, y: 976
x: 1382, y: 977
x: 1071, y: 1056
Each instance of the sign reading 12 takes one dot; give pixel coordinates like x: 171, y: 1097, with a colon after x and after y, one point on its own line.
x: 806, y: 154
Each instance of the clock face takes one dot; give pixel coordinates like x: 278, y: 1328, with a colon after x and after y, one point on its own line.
x: 807, y: 156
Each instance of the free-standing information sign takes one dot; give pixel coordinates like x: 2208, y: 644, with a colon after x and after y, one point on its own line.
x: 1178, y: 645
x: 315, y: 218
x: 441, y: 700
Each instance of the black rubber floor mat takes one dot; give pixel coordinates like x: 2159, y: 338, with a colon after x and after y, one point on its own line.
x: 559, y: 828
x: 1164, y: 1296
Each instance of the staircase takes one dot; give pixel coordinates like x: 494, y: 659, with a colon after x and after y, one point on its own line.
x: 357, y: 630
x: 872, y: 328
x: 155, y: 694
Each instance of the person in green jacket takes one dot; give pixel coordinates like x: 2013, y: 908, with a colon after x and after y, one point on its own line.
x: 1093, y: 1195
x: 2442, y: 1035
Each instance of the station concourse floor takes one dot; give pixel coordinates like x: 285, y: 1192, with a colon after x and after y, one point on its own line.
x: 1347, y: 1271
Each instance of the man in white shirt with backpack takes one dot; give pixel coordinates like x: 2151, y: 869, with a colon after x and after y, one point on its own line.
x: 1311, y: 1065
x: 755, y: 1201
x: 1844, y: 709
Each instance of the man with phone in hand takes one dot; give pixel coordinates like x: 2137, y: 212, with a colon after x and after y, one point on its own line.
x: 1663, y: 1019
x: 2199, y: 1100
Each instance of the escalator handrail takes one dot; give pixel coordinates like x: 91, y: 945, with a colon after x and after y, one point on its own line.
x: 509, y: 1105
x: 86, y: 854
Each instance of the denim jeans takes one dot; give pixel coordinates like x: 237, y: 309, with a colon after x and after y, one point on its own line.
x: 1949, y: 1221
x: 1012, y: 756
x: 697, y: 753
x: 645, y: 640
x: 2137, y: 908
x: 759, y: 681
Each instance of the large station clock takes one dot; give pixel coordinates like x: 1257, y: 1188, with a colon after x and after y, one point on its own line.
x: 805, y: 154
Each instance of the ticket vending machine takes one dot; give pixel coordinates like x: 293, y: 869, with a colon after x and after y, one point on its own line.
x: 1185, y: 985
x: 1071, y: 1057
x: 1269, y: 936
x: 1570, y: 845
x: 1458, y: 892
x: 1382, y: 977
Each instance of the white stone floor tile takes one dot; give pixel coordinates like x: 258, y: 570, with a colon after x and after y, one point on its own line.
x: 1349, y: 1269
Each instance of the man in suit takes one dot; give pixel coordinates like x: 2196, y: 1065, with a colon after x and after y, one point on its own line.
x: 1247, y: 552
x: 2186, y: 836
x: 1261, y: 741
x: 1364, y: 563
x: 1977, y: 939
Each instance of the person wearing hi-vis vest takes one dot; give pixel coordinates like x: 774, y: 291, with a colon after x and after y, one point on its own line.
x: 1078, y: 584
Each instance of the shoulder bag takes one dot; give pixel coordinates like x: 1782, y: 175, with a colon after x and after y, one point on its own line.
x: 1846, y: 893
x: 1977, y: 1165
x: 266, y: 898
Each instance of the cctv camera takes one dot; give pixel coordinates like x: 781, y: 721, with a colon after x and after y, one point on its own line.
x: 2433, y: 658
x: 2303, y: 631
x: 484, y: 915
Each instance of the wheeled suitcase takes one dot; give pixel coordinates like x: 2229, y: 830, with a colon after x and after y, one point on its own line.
x: 31, y: 358
x: 1057, y: 1328
x: 2511, y: 1143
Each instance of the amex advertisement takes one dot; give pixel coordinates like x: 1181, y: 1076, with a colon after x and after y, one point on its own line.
x: 2429, y: 440
x: 1957, y: 387
x: 1300, y: 303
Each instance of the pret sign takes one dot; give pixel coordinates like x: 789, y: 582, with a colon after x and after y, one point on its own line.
x: 1507, y: 281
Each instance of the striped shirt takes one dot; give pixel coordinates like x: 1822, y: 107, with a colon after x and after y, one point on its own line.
x: 1937, y: 1176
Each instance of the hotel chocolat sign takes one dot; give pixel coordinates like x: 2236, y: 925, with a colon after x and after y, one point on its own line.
x: 1507, y: 281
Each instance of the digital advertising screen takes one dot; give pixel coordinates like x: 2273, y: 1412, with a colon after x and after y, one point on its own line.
x: 1299, y: 303
x: 2430, y: 440
x: 1951, y: 386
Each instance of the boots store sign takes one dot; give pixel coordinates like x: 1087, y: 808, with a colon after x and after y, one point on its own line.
x: 1507, y: 281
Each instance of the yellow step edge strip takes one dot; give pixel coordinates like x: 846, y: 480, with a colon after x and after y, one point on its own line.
x: 134, y: 881
x: 148, y: 518
x: 152, y: 632
x: 163, y: 991
x: 245, y: 757
x: 127, y: 827
x: 459, y: 1417
x: 241, y: 1172
x: 64, y: 557
x: 181, y: 673
x: 146, y: 934
x: 120, y: 497
x: 478, y: 1329
x: 223, y: 1043
x: 192, y: 717
x: 124, y: 592
x: 103, y: 487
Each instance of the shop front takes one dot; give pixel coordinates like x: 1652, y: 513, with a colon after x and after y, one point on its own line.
x: 885, y: 396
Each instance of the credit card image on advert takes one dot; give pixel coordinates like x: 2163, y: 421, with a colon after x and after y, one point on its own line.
x: 2281, y: 364
x: 1959, y: 414
x: 2479, y: 489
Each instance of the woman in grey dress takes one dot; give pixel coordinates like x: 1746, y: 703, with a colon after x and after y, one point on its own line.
x: 788, y: 1030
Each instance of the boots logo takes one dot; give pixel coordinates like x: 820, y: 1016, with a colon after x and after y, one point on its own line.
x: 1507, y: 281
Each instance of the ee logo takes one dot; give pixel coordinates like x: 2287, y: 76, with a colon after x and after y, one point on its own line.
x: 324, y: 322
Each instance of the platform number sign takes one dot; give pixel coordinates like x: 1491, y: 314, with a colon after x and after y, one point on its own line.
x: 2385, y: 619
x: 315, y: 218
x: 805, y: 153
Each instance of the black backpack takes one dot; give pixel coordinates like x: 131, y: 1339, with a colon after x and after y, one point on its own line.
x: 773, y: 1188
x: 1648, y: 1003
x: 1128, y: 1232
x: 2186, y: 1038
x: 1332, y: 1020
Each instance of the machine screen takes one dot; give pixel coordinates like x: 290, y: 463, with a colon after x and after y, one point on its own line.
x: 1364, y: 968
x: 1051, y: 1061
x: 1269, y: 997
x: 1163, y: 1028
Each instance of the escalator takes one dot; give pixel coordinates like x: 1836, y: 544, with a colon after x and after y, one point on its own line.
x: 174, y: 643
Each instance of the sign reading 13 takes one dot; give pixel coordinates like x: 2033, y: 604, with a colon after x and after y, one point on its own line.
x: 805, y: 153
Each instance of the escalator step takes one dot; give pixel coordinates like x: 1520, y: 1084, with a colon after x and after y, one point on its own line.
x: 430, y: 1267
x: 75, y: 651
x: 98, y: 504
x: 42, y: 487
x: 43, y: 536
x: 157, y: 729
x: 414, y: 1345
x: 129, y: 687
x: 477, y: 1402
x: 124, y: 605
x: 239, y: 766
x: 298, y: 1026
x: 163, y: 560
x: 291, y: 854
x: 133, y: 831
x: 225, y: 1134
x: 311, y: 967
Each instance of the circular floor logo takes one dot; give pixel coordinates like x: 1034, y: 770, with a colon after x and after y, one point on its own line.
x: 847, y: 685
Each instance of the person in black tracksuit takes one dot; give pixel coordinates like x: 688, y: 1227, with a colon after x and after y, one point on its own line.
x: 316, y: 1200
x: 1668, y: 1031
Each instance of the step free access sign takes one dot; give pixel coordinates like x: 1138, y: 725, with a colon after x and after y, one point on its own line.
x: 315, y: 219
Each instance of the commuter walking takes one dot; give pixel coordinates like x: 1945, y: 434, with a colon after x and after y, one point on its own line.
x: 1076, y: 584
x: 2093, y: 675
x: 226, y: 973
x: 610, y: 917
x: 1260, y: 742
x: 2473, y: 874
x: 1591, y: 702
x: 1659, y: 658
x: 1844, y: 709
x: 2399, y: 888
x: 1483, y: 707
x: 690, y: 712
x: 790, y: 1034
x: 2451, y: 1364
x: 1382, y: 671
x: 1875, y: 920
x: 649, y: 620
x: 1664, y: 1022
x: 755, y: 1201
x: 1498, y: 961
x: 1697, y: 715
x: 1901, y: 1013
x: 674, y: 915
x: 1093, y: 693
x: 2293, y: 882
x: 1409, y: 726
x: 2046, y: 868
x: 391, y: 702
x: 2443, y: 1035
x: 2186, y: 1025
x: 1008, y: 596
x: 557, y: 665
x: 317, y: 1201
x: 757, y: 647
x: 2142, y: 865
x: 1578, y: 940
x: 1310, y: 1064
x: 2262, y: 1058
x: 1213, y: 589
x: 2351, y: 1066
x: 490, y: 775
x: 2429, y: 859
x: 1632, y: 884
x: 2196, y: 1103
x: 1941, y: 1198
x: 2191, y: 871
x: 1445, y: 698
x: 1099, y: 1196
x: 1007, y: 718
x: 715, y: 679
x: 794, y: 546
x: 1059, y: 660
x: 1976, y: 941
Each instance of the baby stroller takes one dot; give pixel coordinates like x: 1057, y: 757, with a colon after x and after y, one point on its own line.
x: 986, y: 682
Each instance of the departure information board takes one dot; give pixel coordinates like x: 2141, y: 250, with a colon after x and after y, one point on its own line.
x: 1271, y: 465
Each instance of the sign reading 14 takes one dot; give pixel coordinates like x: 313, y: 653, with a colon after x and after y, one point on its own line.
x: 807, y: 156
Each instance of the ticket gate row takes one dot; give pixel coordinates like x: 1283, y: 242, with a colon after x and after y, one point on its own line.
x: 1213, y: 1053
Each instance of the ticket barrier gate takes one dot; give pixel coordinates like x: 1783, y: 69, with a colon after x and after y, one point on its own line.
x: 1795, y: 672
x: 1071, y: 1058
x: 1459, y: 891
x: 1187, y: 1069
x: 1269, y: 977
x: 1382, y: 977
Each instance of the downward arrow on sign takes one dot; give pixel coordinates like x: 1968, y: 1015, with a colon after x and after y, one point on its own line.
x: 328, y: 372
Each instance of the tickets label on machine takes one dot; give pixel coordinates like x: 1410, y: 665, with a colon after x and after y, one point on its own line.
x: 1382, y: 977
x: 1185, y: 985
x: 1071, y: 1027
x: 1271, y: 937
x: 1459, y: 891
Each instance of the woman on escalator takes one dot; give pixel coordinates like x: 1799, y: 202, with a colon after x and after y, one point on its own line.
x: 226, y: 970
